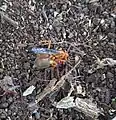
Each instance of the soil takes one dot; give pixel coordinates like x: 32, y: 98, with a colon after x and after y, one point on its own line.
x: 84, y: 28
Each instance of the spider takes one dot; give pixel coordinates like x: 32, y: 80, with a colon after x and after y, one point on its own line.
x: 47, y: 57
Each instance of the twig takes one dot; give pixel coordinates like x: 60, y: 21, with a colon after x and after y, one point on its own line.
x: 102, y: 63
x: 44, y: 13
x: 27, y: 10
x: 2, y: 64
x: 9, y: 20
x: 71, y: 89
x: 75, y: 46
x: 47, y: 90
x: 61, y: 82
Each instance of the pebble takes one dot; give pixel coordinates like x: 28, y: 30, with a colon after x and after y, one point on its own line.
x: 10, y: 100
x: 102, y: 21
x: 96, y: 21
x: 3, y: 116
x: 4, y: 105
x: 92, y: 1
x: 36, y: 115
x: 12, y: 55
x: 105, y: 1
x: 1, y: 110
x: 50, y: 27
x: 110, y: 75
x: 70, y: 35
x: 107, y: 96
x: 1, y: 70
x: 9, y: 112
x: 113, y: 15
x: 55, y: 13
x: 27, y: 65
x: 114, y: 118
x: 111, y: 35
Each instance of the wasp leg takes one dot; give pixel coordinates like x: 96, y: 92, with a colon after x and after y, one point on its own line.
x: 52, y: 72
x: 53, y: 63
x: 58, y: 73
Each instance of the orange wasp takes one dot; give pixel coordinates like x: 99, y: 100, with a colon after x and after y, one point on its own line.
x: 47, y: 57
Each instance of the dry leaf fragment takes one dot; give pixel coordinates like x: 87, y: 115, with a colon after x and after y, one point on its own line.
x: 6, y: 83
x: 87, y: 107
x: 67, y: 102
x: 3, y: 7
x: 93, y: 1
x: 80, y: 90
x: 76, y: 58
x: 8, y: 19
x: 29, y: 90
x: 83, y: 105
x: 110, y: 61
x: 102, y: 63
x: 114, y: 118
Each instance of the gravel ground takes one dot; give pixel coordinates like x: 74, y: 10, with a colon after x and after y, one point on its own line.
x: 89, y: 25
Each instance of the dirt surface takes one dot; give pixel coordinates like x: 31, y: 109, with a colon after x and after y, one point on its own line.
x: 85, y: 28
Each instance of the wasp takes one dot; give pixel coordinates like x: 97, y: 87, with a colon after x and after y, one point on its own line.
x: 47, y: 57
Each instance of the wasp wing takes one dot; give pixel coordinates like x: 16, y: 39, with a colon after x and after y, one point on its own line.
x: 44, y: 51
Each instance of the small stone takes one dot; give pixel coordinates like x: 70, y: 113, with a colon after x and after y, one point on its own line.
x: 37, y: 115
x: 4, y: 105
x: 105, y: 14
x: 85, y: 10
x: 92, y: 1
x: 9, y: 112
x: 103, y: 77
x: 8, y: 53
x: 55, y: 13
x: 113, y: 15
x: 10, y: 100
x: 1, y: 110
x: 111, y: 35
x: 50, y: 27
x: 1, y: 70
x: 87, y: 1
x: 70, y: 35
x: 110, y: 75
x: 12, y: 55
x: 32, y: 106
x: 102, y: 21
x: 64, y: 7
x: 96, y: 21
x: 76, y: 58
x: 105, y: 1
x: 3, y: 116
x: 26, y: 65
x: 57, y: 23
x: 107, y: 96
x: 112, y: 24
